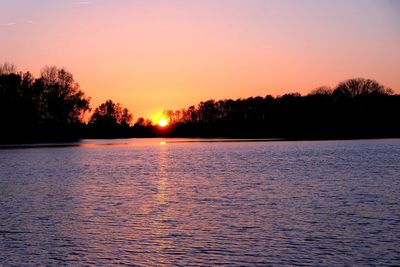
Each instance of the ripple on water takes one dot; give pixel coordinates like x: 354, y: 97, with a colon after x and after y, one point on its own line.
x: 194, y: 204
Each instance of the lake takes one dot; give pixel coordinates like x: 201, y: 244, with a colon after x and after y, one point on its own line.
x: 188, y: 202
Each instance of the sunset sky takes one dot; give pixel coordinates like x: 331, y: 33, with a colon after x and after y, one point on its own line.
x: 151, y: 55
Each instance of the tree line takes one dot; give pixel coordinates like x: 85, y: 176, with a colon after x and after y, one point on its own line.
x: 52, y: 107
x: 355, y: 108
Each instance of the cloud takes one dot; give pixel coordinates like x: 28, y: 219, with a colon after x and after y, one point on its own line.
x: 84, y: 3
x: 13, y: 23
x: 10, y: 24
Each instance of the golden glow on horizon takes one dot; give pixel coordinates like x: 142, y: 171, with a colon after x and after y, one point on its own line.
x: 159, y: 119
x: 163, y: 122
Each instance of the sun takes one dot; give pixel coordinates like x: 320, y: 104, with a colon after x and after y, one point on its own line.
x: 160, y: 119
x: 162, y: 122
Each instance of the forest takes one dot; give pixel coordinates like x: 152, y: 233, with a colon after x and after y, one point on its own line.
x: 53, y: 108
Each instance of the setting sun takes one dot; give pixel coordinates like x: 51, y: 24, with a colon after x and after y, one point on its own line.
x: 162, y: 122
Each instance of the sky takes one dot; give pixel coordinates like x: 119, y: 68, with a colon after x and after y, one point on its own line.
x: 151, y: 55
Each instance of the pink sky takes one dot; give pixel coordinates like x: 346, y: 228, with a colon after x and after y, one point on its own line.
x: 154, y: 55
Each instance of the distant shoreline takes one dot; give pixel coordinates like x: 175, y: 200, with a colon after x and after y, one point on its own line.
x: 51, y: 109
x: 169, y: 140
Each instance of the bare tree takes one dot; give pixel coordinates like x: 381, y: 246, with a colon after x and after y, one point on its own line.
x: 8, y: 68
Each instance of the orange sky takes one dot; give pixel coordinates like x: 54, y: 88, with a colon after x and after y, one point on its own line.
x: 152, y: 55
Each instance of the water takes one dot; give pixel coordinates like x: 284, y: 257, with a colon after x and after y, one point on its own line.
x: 151, y: 203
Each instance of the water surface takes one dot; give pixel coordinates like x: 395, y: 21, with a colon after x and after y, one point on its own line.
x: 160, y: 202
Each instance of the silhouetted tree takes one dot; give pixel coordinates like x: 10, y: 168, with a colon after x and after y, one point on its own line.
x: 358, y: 87
x: 110, y: 114
x: 60, y: 99
x: 143, y: 122
x: 39, y: 108
x: 322, y: 91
